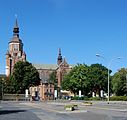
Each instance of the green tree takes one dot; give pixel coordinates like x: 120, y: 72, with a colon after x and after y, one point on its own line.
x: 98, y: 77
x: 24, y: 75
x: 77, y: 79
x: 2, y: 84
x: 119, y: 82
x: 87, y: 79
x: 8, y: 88
x: 52, y: 78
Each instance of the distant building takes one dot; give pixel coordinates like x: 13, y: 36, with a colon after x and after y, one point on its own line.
x: 45, y: 91
x: 15, y: 52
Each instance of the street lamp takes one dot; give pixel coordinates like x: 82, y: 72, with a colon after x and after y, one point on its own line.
x: 109, y: 63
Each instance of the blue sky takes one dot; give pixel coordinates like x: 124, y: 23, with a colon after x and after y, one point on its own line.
x: 81, y: 28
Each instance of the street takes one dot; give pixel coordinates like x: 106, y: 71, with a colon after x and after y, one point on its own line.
x: 54, y: 110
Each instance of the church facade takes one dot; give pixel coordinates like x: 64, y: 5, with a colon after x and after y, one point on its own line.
x: 61, y: 68
x: 45, y: 70
x: 15, y: 53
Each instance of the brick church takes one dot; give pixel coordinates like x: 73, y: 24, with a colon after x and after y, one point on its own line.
x: 15, y: 53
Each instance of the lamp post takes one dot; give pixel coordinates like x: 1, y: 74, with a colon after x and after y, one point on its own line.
x: 109, y: 63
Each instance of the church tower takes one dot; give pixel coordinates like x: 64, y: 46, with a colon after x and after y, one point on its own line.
x: 15, y: 52
x: 59, y: 59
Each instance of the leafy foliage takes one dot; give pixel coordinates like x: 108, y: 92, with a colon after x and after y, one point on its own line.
x: 86, y: 78
x: 98, y: 76
x: 24, y: 75
x: 52, y: 78
x: 77, y: 79
x: 118, y: 98
x: 119, y: 82
x: 2, y: 85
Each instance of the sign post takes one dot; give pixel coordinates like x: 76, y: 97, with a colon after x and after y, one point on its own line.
x: 26, y: 94
x: 80, y: 94
x: 55, y: 94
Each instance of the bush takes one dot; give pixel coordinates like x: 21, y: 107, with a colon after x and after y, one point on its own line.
x: 118, y: 98
x: 97, y: 98
x: 80, y: 98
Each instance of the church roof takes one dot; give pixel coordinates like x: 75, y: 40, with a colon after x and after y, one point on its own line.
x: 46, y: 66
x: 15, y: 39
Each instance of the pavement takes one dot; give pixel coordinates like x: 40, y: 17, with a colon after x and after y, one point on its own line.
x: 54, y: 110
x: 58, y: 106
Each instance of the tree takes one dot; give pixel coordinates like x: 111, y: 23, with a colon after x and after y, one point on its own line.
x: 24, y: 75
x: 77, y: 80
x: 52, y: 78
x: 2, y: 85
x: 87, y: 79
x: 119, y: 82
x: 98, y: 76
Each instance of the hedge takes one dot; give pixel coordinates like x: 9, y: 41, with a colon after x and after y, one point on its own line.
x: 118, y: 98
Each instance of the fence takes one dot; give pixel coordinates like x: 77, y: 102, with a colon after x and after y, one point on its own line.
x: 15, y: 97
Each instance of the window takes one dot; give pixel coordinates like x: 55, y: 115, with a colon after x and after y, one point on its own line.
x: 15, y: 54
x: 15, y: 47
x: 19, y: 54
x: 50, y: 90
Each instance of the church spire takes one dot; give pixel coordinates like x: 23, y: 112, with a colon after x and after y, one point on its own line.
x: 59, y: 59
x: 16, y: 28
x: 16, y: 22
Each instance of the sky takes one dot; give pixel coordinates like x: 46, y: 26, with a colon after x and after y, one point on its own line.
x: 81, y: 28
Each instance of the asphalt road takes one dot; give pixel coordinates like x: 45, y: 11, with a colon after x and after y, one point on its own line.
x: 55, y: 111
x: 11, y: 111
